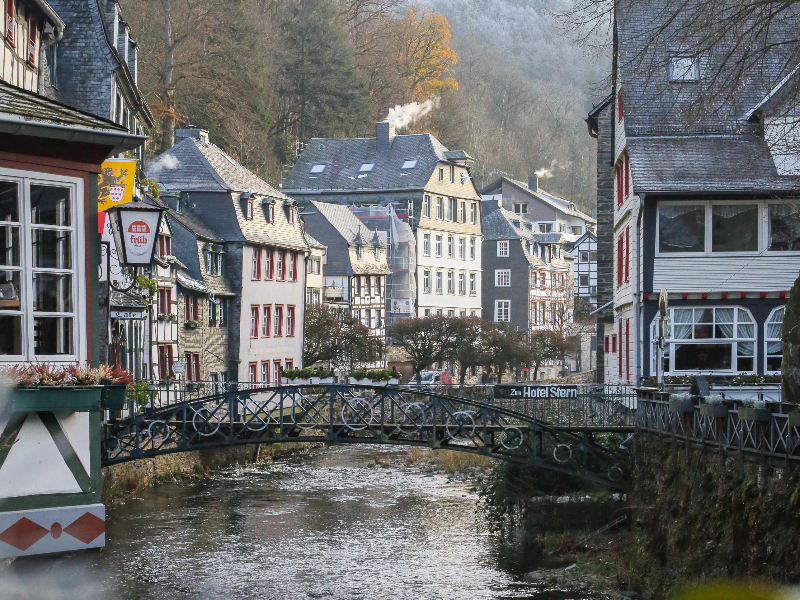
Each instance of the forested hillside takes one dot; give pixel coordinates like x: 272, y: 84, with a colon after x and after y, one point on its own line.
x: 501, y: 79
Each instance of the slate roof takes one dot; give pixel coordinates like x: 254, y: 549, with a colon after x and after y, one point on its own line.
x: 312, y: 242
x: 26, y: 113
x: 737, y: 163
x: 564, y: 206
x: 687, y: 137
x: 346, y: 223
x: 344, y: 157
x: 501, y: 224
x: 125, y: 300
x: 194, y: 165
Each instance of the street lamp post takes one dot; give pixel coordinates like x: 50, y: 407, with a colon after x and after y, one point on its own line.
x: 135, y: 227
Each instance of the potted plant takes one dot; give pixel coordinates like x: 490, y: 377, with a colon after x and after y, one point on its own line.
x: 359, y: 377
x: 116, y: 382
x: 191, y: 324
x: 46, y: 387
x: 714, y: 407
x: 754, y: 410
x: 681, y: 403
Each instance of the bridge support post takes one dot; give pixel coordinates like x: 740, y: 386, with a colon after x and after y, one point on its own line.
x: 50, y: 483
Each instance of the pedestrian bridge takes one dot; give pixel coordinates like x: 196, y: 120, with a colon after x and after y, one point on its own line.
x: 576, y: 436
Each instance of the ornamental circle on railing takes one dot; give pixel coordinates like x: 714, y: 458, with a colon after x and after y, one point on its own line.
x: 461, y: 425
x: 562, y: 453
x: 357, y: 414
x: 158, y: 432
x: 511, y: 438
x: 412, y: 418
x: 209, y: 422
x: 615, y: 474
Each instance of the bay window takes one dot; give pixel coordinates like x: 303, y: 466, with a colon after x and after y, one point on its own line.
x: 713, y: 339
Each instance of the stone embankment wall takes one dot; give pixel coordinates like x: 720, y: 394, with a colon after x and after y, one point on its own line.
x: 702, y: 515
x: 128, y: 478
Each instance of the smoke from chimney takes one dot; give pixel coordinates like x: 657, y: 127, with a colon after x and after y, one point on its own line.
x: 545, y: 172
x: 403, y: 115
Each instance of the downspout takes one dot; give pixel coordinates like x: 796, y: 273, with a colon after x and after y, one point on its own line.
x: 638, y: 293
x: 44, y: 45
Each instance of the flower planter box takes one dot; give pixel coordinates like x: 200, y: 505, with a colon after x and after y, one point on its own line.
x: 754, y: 414
x: 354, y: 381
x: 325, y: 381
x: 64, y: 399
x: 114, y: 397
x: 190, y: 325
x: 715, y: 411
x: 394, y: 381
x: 681, y: 406
x: 300, y: 381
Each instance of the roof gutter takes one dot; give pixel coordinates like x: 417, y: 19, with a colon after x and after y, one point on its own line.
x: 120, y: 141
x: 50, y: 14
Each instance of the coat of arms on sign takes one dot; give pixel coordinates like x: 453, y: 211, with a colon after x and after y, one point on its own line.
x: 112, y: 185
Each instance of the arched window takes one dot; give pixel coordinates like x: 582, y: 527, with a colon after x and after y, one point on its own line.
x: 718, y: 339
x: 772, y: 339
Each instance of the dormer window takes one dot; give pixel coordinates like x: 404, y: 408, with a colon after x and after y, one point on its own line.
x: 409, y: 164
x: 10, y: 22
x: 358, y: 252
x: 269, y: 211
x: 683, y: 67
x: 366, y: 167
x: 317, y: 169
x: 249, y: 210
x: 377, y: 253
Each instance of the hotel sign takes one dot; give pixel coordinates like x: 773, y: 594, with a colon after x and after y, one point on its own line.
x: 536, y: 391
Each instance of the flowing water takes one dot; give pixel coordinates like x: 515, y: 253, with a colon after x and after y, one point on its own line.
x: 317, y: 525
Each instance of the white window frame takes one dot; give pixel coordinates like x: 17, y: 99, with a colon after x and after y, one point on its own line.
x: 768, y: 339
x: 438, y: 245
x: 473, y: 278
x: 472, y: 246
x: 462, y: 248
x: 426, y: 206
x: 440, y: 208
x: 462, y: 283
x: 451, y: 246
x: 451, y: 283
x: 502, y: 277
x: 426, y: 281
x: 426, y: 244
x: 503, y: 248
x: 24, y: 179
x: 505, y: 307
x: 473, y: 213
x: 439, y: 282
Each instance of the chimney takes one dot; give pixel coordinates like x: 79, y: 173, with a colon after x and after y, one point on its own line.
x: 384, y: 134
x: 198, y: 134
x: 533, y: 182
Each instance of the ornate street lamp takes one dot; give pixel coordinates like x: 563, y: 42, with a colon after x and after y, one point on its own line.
x: 135, y: 226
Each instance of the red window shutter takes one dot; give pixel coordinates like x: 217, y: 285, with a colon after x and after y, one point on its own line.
x: 614, y: 344
x: 619, y: 260
x: 620, y: 353
x: 627, y: 169
x: 628, y: 349
x: 619, y: 106
x: 196, y: 367
x: 607, y: 344
x: 627, y: 252
x: 619, y: 186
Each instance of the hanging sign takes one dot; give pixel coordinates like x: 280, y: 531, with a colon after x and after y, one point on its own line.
x: 117, y: 178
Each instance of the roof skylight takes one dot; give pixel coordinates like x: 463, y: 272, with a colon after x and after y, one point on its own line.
x: 366, y: 167
x: 409, y: 164
x: 317, y: 168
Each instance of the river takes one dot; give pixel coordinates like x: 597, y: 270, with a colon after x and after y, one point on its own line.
x: 317, y: 525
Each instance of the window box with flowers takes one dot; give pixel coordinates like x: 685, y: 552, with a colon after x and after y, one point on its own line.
x: 754, y: 410
x: 192, y: 324
x: 681, y: 403
x: 714, y: 407
x: 166, y: 317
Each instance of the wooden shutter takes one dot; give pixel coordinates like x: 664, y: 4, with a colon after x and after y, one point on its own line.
x: 619, y: 106
x: 619, y: 260
x: 627, y: 252
x: 10, y: 21
x: 32, y: 32
x: 620, y: 353
x: 628, y: 349
x: 627, y: 169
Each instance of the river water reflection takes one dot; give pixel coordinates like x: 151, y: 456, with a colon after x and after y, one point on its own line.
x: 317, y: 525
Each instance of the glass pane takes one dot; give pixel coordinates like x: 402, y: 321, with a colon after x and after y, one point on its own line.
x: 744, y: 316
x: 703, y: 357
x: 681, y: 228
x: 703, y: 315
x: 52, y: 335
x: 774, y: 363
x: 683, y: 332
x: 703, y: 332
x: 747, y: 331
x: 777, y: 316
x: 745, y: 348
x: 9, y: 201
x: 9, y: 246
x: 724, y: 315
x: 734, y: 228
x: 774, y: 330
x: 744, y: 363
x: 9, y: 290
x: 52, y: 292
x: 52, y: 249
x: 10, y: 334
x: 683, y: 315
x: 50, y: 205
x: 784, y: 227
x: 774, y: 347
x: 723, y: 330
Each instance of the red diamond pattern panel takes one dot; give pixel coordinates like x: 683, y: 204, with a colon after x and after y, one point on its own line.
x: 25, y: 533
x: 86, y: 528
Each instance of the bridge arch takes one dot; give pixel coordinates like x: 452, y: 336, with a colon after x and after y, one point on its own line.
x: 354, y: 414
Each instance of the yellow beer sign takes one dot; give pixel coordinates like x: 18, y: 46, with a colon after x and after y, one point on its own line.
x: 117, y: 178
